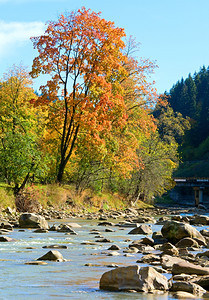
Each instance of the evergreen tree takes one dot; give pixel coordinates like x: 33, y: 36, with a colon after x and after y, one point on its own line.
x: 190, y: 97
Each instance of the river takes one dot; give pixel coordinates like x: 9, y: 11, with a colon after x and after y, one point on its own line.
x: 70, y: 279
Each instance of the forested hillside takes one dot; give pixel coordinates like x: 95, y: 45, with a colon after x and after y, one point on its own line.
x: 190, y: 97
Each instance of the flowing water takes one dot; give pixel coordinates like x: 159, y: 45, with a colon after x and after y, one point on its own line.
x: 70, y: 279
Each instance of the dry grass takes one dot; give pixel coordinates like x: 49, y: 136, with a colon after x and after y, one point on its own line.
x: 65, y: 198
x: 6, y: 197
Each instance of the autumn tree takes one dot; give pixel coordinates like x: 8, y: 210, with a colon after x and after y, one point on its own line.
x: 19, y: 129
x: 104, y: 166
x: 82, y: 54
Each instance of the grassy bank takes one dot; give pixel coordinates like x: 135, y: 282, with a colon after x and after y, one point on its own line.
x: 6, y: 196
x: 65, y: 198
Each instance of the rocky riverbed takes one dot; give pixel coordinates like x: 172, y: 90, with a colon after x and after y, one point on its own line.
x: 157, y: 251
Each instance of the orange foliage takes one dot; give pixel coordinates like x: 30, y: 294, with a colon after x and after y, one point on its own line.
x: 95, y: 89
x: 80, y: 51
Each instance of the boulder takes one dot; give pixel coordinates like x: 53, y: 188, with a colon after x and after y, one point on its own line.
x: 205, y: 253
x: 183, y: 295
x: 188, y: 287
x: 109, y: 230
x: 203, y: 281
x: 185, y: 253
x: 162, y: 220
x: 114, y: 247
x: 158, y: 238
x: 145, y: 279
x: 53, y: 255
x: 199, y: 220
x: 4, y: 231
x: 40, y: 230
x: 187, y: 242
x: 174, y: 231
x: 55, y: 247
x: 127, y: 224
x: 6, y: 239
x: 149, y: 258
x: 169, y: 249
x: 65, y: 228
x: 103, y: 240
x: 131, y: 250
x: 53, y: 228
x: 105, y: 224
x: 183, y: 277
x: 176, y: 218
x: 168, y: 261
x: 148, y: 241
x: 159, y: 269
x: 145, y: 219
x: 142, y: 229
x: 30, y: 220
x: 204, y: 232
x: 74, y: 225
x: 188, y: 268
x: 6, y: 225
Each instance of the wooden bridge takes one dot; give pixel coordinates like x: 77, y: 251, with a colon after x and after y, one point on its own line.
x: 197, y: 184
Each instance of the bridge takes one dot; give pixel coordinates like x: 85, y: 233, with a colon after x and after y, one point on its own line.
x: 200, y: 186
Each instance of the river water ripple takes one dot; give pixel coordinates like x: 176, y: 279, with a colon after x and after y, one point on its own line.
x: 70, y: 279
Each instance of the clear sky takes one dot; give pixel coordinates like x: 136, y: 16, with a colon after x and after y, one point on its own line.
x: 174, y: 33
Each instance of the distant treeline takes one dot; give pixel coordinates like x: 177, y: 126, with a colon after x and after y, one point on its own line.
x: 190, y: 97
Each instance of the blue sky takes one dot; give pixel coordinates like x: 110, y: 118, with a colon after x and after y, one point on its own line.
x: 174, y: 33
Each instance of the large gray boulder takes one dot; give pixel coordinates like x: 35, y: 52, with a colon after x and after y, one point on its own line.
x: 30, y: 220
x: 145, y: 279
x: 174, y: 231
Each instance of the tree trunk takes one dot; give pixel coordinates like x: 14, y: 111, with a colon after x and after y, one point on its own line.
x: 60, y: 172
x: 17, y: 188
x: 64, y: 156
